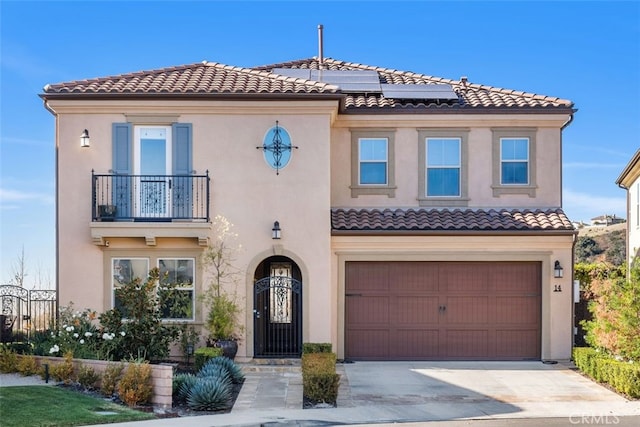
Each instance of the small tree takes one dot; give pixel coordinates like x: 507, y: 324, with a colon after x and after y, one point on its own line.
x: 615, y: 327
x: 221, y: 296
x: 136, y: 330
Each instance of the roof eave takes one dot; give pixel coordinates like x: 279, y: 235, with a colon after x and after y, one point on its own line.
x: 443, y: 109
x: 453, y: 232
x: 173, y: 96
x: 635, y: 161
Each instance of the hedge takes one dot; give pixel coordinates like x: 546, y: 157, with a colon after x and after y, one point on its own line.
x: 203, y: 354
x: 320, y: 382
x: 624, y: 377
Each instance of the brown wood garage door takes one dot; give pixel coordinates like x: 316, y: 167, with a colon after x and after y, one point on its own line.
x: 443, y: 310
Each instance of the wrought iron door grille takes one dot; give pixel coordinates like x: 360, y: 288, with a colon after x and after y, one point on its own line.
x: 277, y: 317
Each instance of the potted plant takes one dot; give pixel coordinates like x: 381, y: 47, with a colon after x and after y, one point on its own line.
x: 220, y: 298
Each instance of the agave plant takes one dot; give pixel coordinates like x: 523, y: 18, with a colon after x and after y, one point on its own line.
x: 182, y: 384
x: 215, y: 371
x: 235, y: 372
x: 209, y: 394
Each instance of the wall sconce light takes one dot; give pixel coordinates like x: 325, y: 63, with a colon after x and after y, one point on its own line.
x: 275, y: 231
x: 557, y: 270
x: 84, y: 139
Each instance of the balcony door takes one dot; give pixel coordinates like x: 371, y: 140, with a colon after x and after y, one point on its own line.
x: 152, y: 167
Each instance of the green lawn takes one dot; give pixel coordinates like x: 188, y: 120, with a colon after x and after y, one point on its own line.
x: 54, y: 406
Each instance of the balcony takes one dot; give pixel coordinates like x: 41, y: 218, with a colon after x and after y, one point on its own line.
x: 149, y: 206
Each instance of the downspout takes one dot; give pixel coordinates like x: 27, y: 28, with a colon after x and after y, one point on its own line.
x: 57, y: 251
x: 574, y: 327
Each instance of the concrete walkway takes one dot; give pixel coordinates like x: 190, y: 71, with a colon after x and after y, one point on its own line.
x: 450, y: 393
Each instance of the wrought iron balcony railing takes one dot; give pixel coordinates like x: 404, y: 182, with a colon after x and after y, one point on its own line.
x: 153, y: 198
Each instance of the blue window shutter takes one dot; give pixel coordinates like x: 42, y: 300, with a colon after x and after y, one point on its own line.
x: 122, y: 168
x: 182, y: 166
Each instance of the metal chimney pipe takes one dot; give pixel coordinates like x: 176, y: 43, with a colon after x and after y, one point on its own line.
x: 320, y: 48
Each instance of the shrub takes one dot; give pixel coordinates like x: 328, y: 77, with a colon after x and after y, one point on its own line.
x: 203, y: 354
x: 27, y: 365
x: 235, y: 372
x: 209, y: 394
x: 136, y: 329
x: 63, y: 372
x: 87, y: 377
x: 182, y: 384
x: 8, y: 360
x: 135, y: 387
x: 313, y: 347
x: 110, y: 379
x: 320, y: 381
x: 622, y: 376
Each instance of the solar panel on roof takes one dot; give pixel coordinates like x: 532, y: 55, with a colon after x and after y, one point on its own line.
x: 298, y: 73
x: 347, y: 80
x: 414, y: 91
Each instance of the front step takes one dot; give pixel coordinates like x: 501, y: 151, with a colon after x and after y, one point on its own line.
x: 271, y: 365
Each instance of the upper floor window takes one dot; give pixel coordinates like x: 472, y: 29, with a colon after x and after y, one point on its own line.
x: 514, y: 160
x: 443, y: 167
x: 372, y: 162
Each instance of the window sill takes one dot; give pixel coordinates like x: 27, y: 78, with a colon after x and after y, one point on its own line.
x: 373, y: 190
x: 444, y: 202
x: 499, y: 190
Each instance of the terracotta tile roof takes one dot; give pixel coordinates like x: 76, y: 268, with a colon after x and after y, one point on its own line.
x: 216, y: 80
x: 426, y: 220
x: 471, y: 96
x: 199, y: 78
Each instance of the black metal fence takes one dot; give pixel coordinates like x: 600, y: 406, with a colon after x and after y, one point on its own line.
x: 25, y: 311
x: 150, y: 197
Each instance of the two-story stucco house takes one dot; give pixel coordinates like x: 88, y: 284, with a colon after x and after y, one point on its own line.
x: 629, y: 180
x: 418, y: 218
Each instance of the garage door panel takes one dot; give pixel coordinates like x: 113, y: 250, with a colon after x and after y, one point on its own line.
x: 517, y: 310
x: 517, y: 344
x: 365, y: 310
x: 413, y: 277
x: 415, y: 344
x: 465, y: 343
x: 468, y: 310
x: 416, y: 310
x: 467, y: 278
x: 509, y: 277
x: 370, y: 276
x: 370, y: 344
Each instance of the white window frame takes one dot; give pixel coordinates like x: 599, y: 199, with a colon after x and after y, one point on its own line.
x: 502, y: 160
x: 385, y: 161
x: 458, y: 166
x: 191, y: 288
x: 112, y: 275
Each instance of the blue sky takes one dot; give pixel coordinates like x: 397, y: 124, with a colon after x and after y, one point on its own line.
x: 588, y: 52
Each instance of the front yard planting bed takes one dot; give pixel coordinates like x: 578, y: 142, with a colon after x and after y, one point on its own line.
x: 622, y: 376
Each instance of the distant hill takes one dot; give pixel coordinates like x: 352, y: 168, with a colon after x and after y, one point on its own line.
x: 602, y: 244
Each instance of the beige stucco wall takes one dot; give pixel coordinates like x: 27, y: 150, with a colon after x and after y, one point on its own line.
x: 480, y: 167
x: 557, y: 314
x: 244, y: 189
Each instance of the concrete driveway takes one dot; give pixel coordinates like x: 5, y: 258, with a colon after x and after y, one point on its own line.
x: 458, y: 390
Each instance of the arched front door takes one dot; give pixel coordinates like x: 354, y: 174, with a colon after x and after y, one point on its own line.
x: 277, y: 308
